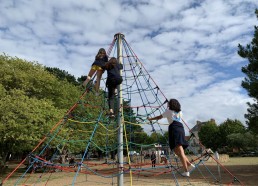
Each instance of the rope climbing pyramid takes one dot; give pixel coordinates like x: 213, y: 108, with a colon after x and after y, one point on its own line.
x: 103, y: 151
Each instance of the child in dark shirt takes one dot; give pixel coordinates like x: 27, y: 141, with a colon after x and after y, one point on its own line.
x: 113, y: 80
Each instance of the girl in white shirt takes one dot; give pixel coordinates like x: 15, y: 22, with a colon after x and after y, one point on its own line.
x: 176, y: 133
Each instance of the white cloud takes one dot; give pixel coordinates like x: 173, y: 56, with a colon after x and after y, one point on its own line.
x: 189, y: 47
x: 219, y: 101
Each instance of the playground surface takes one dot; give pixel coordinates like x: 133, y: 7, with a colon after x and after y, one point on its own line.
x: 243, y: 168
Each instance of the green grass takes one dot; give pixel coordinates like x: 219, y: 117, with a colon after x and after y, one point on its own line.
x: 242, y: 161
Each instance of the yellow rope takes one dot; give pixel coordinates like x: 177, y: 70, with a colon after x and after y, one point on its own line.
x: 132, y: 123
x: 143, y: 124
x: 75, y: 121
x: 129, y: 160
x: 82, y: 122
x: 107, y: 128
x: 109, y: 134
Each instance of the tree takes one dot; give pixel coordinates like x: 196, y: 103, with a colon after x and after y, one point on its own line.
x: 252, y: 117
x: 62, y: 75
x: 32, y: 101
x: 156, y: 137
x: 34, y: 98
x: 250, y: 83
x: 24, y: 121
x: 229, y: 127
x: 243, y: 141
x: 81, y: 79
x: 207, y: 135
x: 36, y: 82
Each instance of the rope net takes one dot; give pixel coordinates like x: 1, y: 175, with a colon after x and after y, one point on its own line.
x: 87, y: 127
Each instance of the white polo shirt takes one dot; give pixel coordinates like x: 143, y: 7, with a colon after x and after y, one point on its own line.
x: 172, y: 116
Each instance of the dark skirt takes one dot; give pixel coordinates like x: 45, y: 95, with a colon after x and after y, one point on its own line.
x: 176, y: 134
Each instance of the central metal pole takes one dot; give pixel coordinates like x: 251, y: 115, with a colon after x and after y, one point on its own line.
x: 120, y: 177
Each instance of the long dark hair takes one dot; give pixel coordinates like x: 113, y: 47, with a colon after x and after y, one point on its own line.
x: 98, y: 56
x: 111, y: 63
x: 173, y: 104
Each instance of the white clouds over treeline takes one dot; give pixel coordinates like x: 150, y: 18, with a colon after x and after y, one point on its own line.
x: 189, y: 47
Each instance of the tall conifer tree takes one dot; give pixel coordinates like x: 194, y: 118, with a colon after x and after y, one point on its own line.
x: 250, y: 83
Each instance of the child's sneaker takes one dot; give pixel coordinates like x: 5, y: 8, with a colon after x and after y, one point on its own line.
x: 186, y: 174
x: 112, y: 115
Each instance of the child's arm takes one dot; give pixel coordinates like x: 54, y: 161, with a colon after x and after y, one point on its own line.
x: 155, y: 118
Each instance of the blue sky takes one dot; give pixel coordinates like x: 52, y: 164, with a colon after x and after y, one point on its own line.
x: 189, y: 47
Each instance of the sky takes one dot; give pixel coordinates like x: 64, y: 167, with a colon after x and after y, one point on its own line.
x: 188, y: 47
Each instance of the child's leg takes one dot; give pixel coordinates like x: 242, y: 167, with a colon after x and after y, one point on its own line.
x: 99, y: 75
x: 92, y: 71
x: 181, y: 154
x: 111, y: 94
x: 186, y: 159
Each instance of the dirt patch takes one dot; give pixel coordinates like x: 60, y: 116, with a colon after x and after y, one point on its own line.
x: 237, y: 171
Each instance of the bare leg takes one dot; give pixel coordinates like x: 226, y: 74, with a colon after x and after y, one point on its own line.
x: 89, y: 77
x: 181, y: 154
x: 186, y: 159
x: 99, y: 74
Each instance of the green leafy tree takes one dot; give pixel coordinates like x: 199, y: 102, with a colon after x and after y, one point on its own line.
x: 207, y: 135
x: 250, y: 83
x: 164, y: 139
x: 24, y: 121
x: 36, y: 82
x: 32, y: 101
x: 62, y: 75
x: 243, y: 141
x: 229, y: 127
x: 236, y: 140
x: 159, y: 138
x: 81, y: 79
x: 156, y: 137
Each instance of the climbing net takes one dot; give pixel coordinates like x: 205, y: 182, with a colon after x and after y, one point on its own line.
x: 87, y: 127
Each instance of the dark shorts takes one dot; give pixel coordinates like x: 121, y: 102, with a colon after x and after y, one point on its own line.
x: 99, y: 63
x: 176, y: 134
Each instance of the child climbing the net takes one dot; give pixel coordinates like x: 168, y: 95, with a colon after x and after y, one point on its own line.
x: 176, y: 133
x: 97, y: 67
x: 113, y: 80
